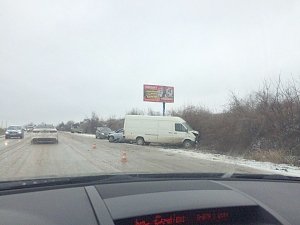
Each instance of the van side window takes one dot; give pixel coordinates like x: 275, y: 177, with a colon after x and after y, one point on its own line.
x: 179, y: 127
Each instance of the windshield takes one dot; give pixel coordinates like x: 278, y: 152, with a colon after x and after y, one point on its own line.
x: 106, y: 87
x: 14, y: 128
x: 103, y: 129
x: 187, y: 126
x: 45, y: 126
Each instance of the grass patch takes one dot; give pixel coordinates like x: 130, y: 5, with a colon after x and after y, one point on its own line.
x: 274, y: 156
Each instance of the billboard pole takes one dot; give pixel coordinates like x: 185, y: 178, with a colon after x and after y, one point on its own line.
x: 164, y: 108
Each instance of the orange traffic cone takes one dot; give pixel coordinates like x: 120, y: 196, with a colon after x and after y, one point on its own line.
x: 124, y: 157
x: 94, y: 146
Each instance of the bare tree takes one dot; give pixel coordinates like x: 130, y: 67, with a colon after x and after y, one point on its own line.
x: 135, y: 111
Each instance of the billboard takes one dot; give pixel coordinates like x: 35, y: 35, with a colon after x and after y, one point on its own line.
x: 157, y: 93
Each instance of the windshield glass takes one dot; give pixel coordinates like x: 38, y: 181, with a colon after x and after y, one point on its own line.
x: 119, y: 81
x: 103, y: 129
x: 187, y: 126
x: 14, y: 128
x: 40, y: 126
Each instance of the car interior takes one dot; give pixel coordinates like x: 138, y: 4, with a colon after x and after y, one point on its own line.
x: 152, y: 199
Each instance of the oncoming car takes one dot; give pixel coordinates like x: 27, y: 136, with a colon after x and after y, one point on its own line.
x: 44, y: 135
x: 14, y: 132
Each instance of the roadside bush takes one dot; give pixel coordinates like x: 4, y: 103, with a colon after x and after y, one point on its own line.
x: 272, y: 155
x: 135, y: 111
x: 114, y: 124
x: 89, y: 125
x: 265, y: 123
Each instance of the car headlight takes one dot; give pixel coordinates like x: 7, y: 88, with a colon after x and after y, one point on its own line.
x: 102, y: 133
x: 6, y: 132
x: 19, y: 131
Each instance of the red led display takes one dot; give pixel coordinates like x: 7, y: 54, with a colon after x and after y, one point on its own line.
x: 218, y: 216
x: 162, y: 220
x: 212, y: 217
x: 184, y: 218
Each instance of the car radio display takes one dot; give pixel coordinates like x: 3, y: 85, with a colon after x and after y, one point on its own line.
x: 184, y: 218
x: 230, y: 216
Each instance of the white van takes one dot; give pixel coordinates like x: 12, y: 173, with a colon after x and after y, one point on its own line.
x: 159, y: 129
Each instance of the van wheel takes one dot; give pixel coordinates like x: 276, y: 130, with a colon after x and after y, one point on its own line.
x: 187, y: 144
x: 111, y: 139
x: 140, y: 141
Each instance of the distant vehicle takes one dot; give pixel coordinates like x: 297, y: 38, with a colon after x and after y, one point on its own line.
x: 14, y: 131
x: 44, y: 134
x: 102, y: 132
x: 29, y: 128
x: 76, y: 129
x: 159, y: 129
x: 116, y: 136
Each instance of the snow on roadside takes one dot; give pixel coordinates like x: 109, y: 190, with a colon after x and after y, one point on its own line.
x: 84, y: 135
x: 282, y: 169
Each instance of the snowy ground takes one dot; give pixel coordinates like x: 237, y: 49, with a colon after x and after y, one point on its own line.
x: 282, y: 169
x: 84, y: 135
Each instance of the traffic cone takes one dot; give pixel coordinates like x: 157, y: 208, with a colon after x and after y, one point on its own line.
x: 124, y: 157
x: 94, y: 146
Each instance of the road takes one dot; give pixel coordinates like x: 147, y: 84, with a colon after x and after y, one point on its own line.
x: 74, y: 155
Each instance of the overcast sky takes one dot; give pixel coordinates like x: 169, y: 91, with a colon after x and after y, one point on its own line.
x: 62, y: 59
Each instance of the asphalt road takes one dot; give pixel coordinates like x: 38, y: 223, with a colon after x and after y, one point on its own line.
x: 74, y: 155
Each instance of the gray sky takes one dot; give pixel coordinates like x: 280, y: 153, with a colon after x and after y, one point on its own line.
x: 63, y: 59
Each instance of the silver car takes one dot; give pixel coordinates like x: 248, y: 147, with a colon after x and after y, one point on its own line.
x: 116, y: 136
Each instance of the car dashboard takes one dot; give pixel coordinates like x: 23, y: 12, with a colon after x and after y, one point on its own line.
x: 160, y: 202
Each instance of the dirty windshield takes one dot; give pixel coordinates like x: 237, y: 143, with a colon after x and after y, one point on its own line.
x: 131, y: 87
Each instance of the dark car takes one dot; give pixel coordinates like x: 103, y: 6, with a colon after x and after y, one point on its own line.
x: 14, y: 132
x: 102, y: 132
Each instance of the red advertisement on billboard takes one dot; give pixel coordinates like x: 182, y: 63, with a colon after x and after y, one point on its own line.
x: 157, y: 93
